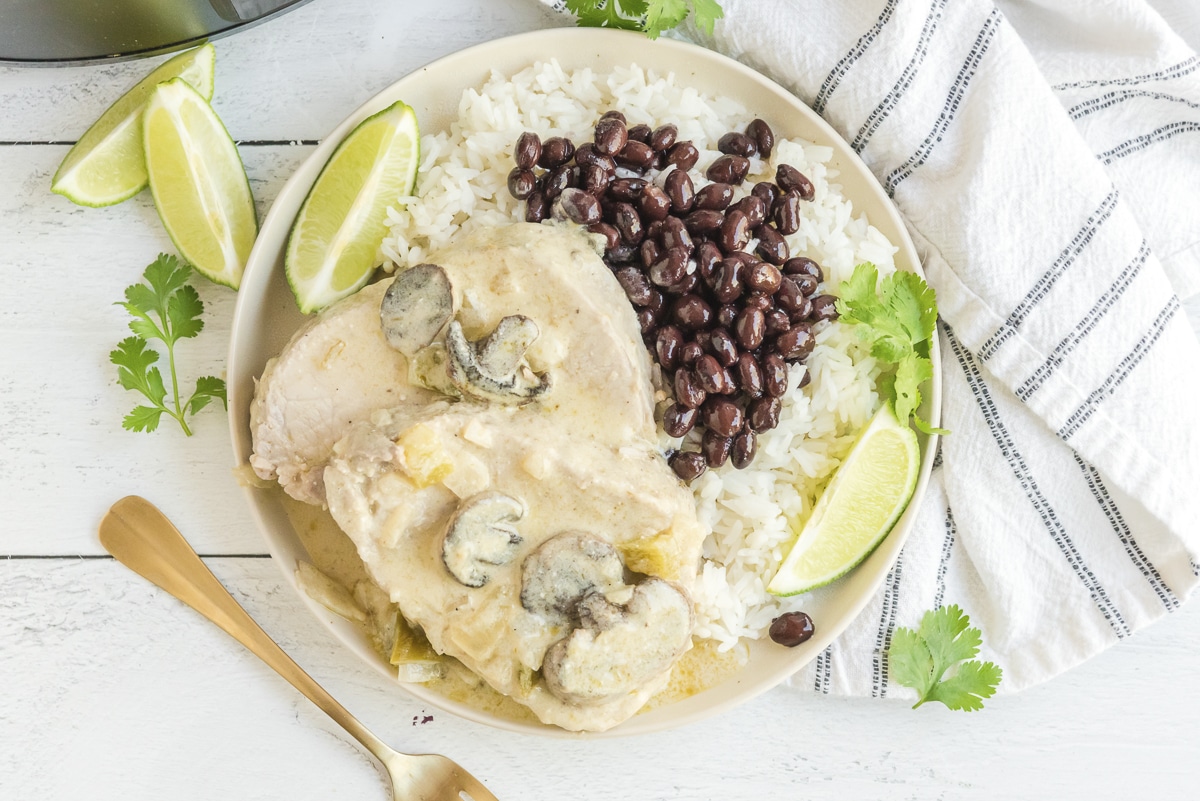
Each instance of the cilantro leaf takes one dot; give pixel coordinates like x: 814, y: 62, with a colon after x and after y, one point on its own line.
x: 662, y: 15
x: 920, y: 659
x: 166, y: 308
x: 707, y: 14
x: 624, y: 14
x: 897, y: 316
x: 650, y: 16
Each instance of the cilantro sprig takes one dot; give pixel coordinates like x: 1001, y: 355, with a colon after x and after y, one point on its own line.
x: 650, y: 16
x: 921, y: 658
x: 166, y: 308
x: 898, y: 319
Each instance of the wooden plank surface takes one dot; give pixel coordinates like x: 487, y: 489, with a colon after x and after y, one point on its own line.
x: 112, y: 690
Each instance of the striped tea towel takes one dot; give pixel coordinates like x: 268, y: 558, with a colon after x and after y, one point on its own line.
x: 1045, y: 155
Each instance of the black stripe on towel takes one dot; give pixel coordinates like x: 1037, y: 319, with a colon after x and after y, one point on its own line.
x: 1024, y: 476
x: 834, y: 78
x: 1085, y: 326
x: 823, y: 670
x: 887, y: 627
x: 1124, y: 368
x: 982, y: 41
x: 1139, y: 143
x: 944, y: 562
x: 1110, y: 99
x: 1117, y: 521
x: 1174, y: 71
x: 1044, y: 284
x: 880, y: 112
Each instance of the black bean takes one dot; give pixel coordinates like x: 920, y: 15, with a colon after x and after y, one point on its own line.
x: 777, y: 322
x: 723, y: 347
x: 683, y: 155
x: 654, y: 203
x: 708, y: 257
x: 640, y: 133
x: 678, y: 420
x: 536, y: 207
x: 708, y: 372
x: 688, y: 465
x: 823, y: 307
x: 521, y: 183
x: 578, y: 206
x: 791, y: 629
x: 703, y: 338
x: 626, y: 189
x: 680, y: 190
x: 692, y: 312
x: 803, y: 311
x: 755, y: 209
x: 555, y: 181
x: 528, y: 150
x: 588, y: 155
x: 774, y: 374
x: 750, y: 327
x: 556, y: 151
x: 722, y: 416
x: 788, y: 296
x: 789, y: 178
x: 757, y: 300
x: 654, y: 228
x: 771, y: 245
x: 690, y: 353
x: 728, y: 170
x: 762, y: 414
x: 649, y: 252
x: 671, y: 268
x: 612, y: 113
x: 750, y: 375
x: 796, y: 343
x: 745, y: 446
x: 668, y: 345
x: 611, y: 135
x: 647, y: 321
x: 804, y: 379
x: 636, y: 156
x: 726, y: 314
x: 612, y: 237
x: 714, y: 196
x: 688, y: 392
x: 675, y: 235
x: 663, y: 137
x: 715, y: 448
x: 636, y: 287
x: 802, y: 265
x: 593, y: 179
x: 764, y: 277
x: 704, y: 222
x: 629, y: 223
x: 766, y: 190
x: 621, y: 254
x: 729, y: 281
x: 737, y: 144
x: 735, y: 232
x: 657, y: 302
x: 763, y: 136
x: 786, y: 213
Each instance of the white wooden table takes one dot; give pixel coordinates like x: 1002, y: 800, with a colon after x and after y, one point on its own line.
x: 109, y: 689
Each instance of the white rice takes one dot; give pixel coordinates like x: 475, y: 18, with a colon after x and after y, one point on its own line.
x: 751, y: 514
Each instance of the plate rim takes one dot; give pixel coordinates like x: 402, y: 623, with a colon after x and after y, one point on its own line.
x: 539, y: 42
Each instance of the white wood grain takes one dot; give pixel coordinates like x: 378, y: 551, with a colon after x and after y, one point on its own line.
x: 112, y: 690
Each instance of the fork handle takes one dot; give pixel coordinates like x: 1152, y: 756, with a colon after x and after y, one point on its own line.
x: 141, y: 537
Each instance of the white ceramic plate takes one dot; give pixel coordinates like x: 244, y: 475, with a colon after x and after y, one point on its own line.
x: 266, y: 316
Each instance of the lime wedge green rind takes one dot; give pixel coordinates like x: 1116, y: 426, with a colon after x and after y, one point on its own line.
x: 198, y: 182
x: 106, y: 165
x: 332, y: 248
x: 857, y: 510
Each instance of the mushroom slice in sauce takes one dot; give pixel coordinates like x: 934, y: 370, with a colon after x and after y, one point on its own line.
x: 617, y: 648
x: 416, y: 306
x: 493, y: 368
x: 480, y: 536
x: 556, y: 576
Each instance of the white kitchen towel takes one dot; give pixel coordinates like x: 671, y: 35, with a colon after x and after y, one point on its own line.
x: 1045, y: 155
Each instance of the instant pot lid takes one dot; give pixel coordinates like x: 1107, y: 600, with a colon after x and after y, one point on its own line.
x: 56, y: 32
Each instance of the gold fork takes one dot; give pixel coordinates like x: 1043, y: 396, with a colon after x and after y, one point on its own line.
x: 144, y: 540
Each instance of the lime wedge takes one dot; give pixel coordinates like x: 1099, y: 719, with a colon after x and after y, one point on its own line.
x: 106, y: 165
x: 332, y: 247
x: 860, y: 506
x: 198, y: 182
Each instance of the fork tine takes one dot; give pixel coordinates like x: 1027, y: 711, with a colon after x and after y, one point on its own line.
x: 473, y: 789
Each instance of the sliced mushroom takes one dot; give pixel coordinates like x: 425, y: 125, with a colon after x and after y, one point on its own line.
x: 481, y: 536
x: 556, y: 576
x: 494, y: 368
x: 619, y: 649
x: 416, y: 307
